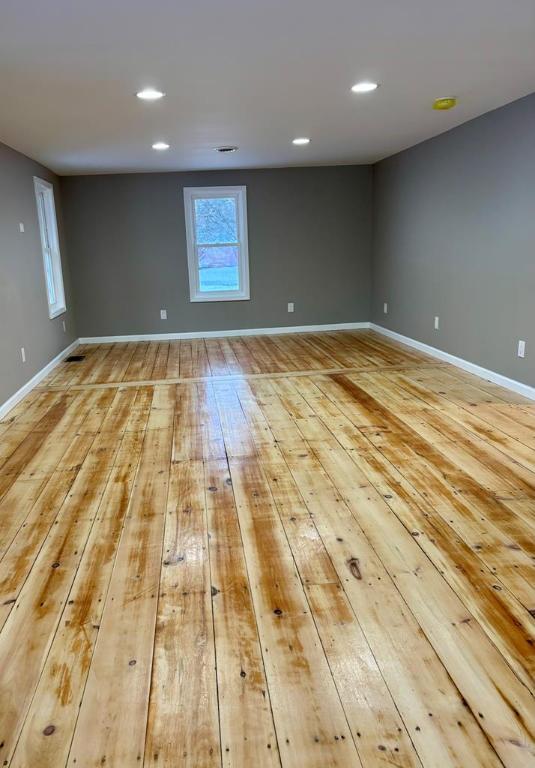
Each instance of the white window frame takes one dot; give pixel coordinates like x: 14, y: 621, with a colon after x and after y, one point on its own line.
x: 240, y: 195
x: 48, y: 230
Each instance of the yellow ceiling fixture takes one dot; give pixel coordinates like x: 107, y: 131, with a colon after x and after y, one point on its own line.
x: 447, y: 102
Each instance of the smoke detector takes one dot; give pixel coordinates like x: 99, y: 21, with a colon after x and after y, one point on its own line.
x: 446, y: 102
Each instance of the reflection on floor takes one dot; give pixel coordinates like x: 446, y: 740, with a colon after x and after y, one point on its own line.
x: 300, y: 551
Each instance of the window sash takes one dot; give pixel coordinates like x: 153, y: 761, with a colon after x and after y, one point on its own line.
x: 46, y: 214
x: 215, y: 196
x: 193, y: 244
x: 49, y: 274
x: 227, y: 292
x: 233, y: 244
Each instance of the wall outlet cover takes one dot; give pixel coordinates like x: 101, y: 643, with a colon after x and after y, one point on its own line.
x: 163, y: 314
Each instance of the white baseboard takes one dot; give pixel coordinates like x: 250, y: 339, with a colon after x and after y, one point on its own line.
x: 477, y: 370
x: 220, y: 334
x: 35, y: 380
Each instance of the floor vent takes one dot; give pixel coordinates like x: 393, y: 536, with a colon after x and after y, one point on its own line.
x: 74, y: 358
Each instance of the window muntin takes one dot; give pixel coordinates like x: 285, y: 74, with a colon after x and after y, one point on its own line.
x: 216, y: 232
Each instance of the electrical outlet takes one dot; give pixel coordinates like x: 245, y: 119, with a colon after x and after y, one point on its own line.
x: 385, y: 308
x: 21, y: 226
x: 23, y: 354
x: 437, y: 323
x: 521, y: 349
x: 163, y: 314
x: 290, y: 306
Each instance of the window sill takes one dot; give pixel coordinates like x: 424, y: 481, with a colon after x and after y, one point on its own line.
x: 204, y: 299
x: 57, y: 312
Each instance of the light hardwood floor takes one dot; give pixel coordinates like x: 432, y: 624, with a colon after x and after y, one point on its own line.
x: 300, y: 551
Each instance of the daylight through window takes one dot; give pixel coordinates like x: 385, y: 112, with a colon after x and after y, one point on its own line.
x: 216, y: 232
x: 46, y: 213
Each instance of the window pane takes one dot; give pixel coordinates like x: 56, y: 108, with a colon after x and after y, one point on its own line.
x: 50, y: 246
x: 49, y: 274
x: 218, y: 268
x: 216, y: 220
x: 45, y: 222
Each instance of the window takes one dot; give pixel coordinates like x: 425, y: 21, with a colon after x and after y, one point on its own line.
x: 46, y: 212
x: 216, y: 232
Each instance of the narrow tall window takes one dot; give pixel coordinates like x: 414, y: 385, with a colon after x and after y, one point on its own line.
x: 216, y: 233
x: 46, y: 212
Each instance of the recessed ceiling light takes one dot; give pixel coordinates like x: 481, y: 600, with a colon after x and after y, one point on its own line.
x: 150, y: 94
x: 300, y: 141
x: 160, y: 145
x: 226, y: 149
x: 365, y: 86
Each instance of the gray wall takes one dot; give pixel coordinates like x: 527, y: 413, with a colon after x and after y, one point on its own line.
x: 454, y: 236
x: 24, y: 318
x: 309, y: 242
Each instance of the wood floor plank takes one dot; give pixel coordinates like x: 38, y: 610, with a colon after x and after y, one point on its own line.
x: 183, y: 715
x: 238, y: 441
x: 28, y: 632
x: 270, y: 354
x: 30, y: 469
x: 115, y: 363
x: 216, y: 358
x: 346, y: 546
x: 199, y: 357
x: 135, y: 366
x: 419, y: 690
x: 186, y: 358
x: 378, y: 728
x: 173, y: 361
x: 121, y: 362
x: 485, y: 521
x: 187, y: 433
x: 312, y: 561
x: 246, y: 721
x: 231, y: 360
x: 42, y: 511
x: 440, y: 479
x: 502, y: 617
x: 209, y: 423
x: 376, y: 725
x: 244, y: 356
x: 48, y: 729
x: 103, y: 363
x: 149, y: 360
x: 310, y: 722
x: 294, y: 551
x: 21, y: 457
x: 480, y: 671
x: 160, y: 364
x: 111, y: 725
x: 25, y: 414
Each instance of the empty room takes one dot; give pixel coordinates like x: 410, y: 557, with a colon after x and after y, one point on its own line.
x: 267, y: 384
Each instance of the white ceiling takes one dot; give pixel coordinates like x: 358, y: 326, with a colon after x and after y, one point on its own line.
x: 255, y: 73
